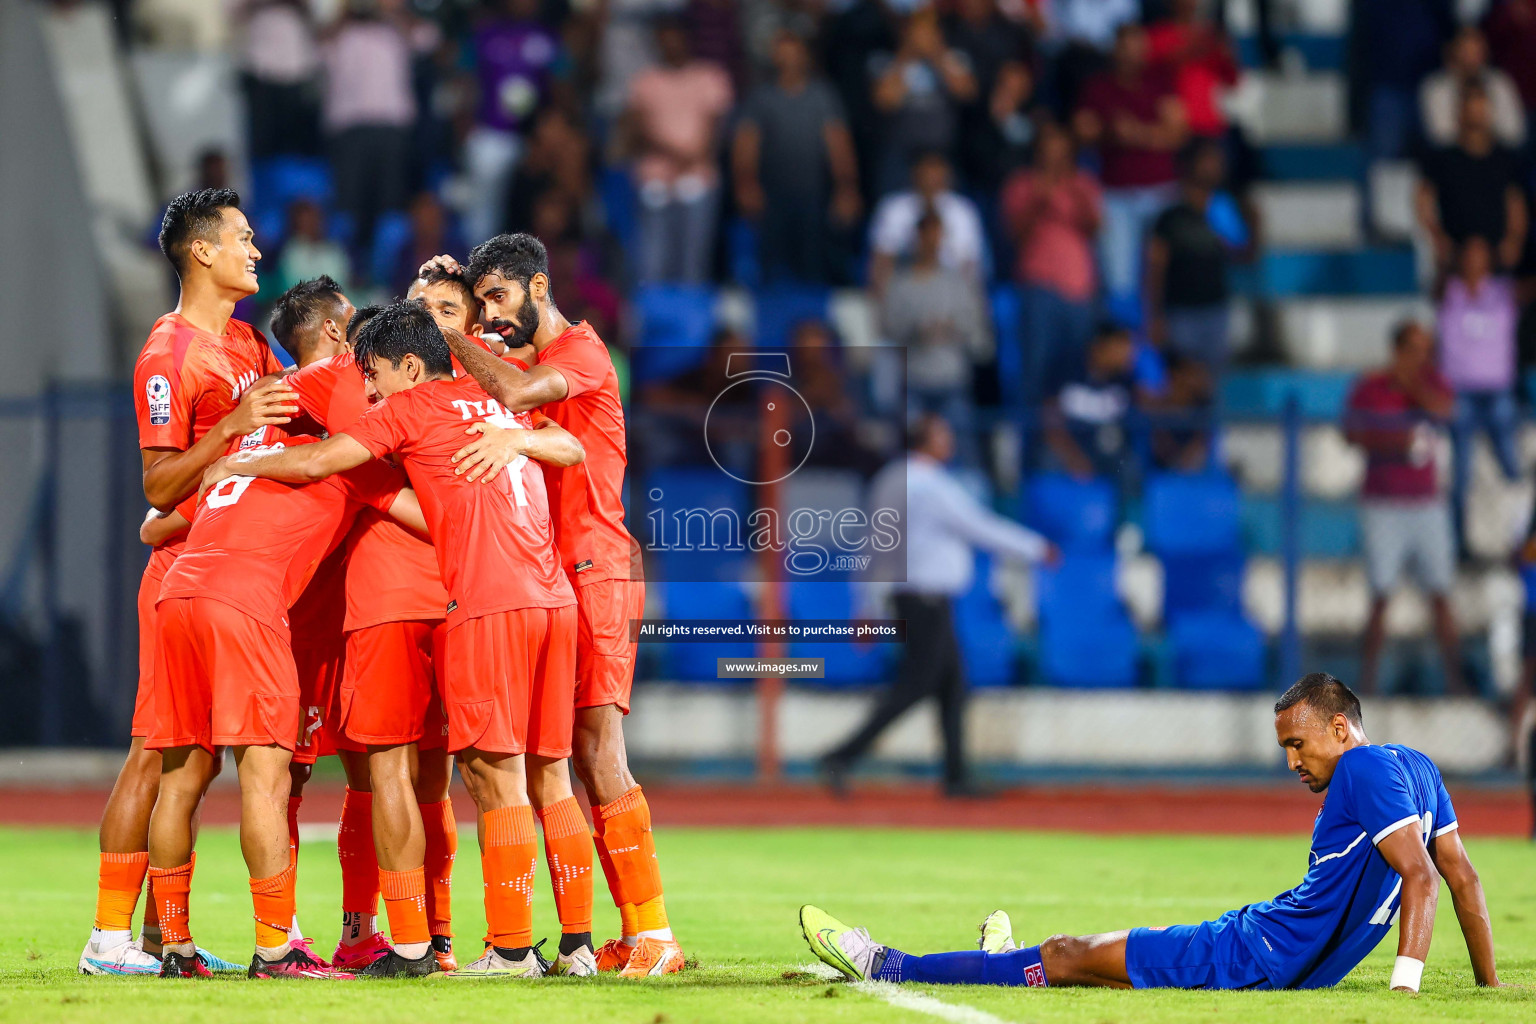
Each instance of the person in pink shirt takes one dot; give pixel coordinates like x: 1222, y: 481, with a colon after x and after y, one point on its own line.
x: 1051, y: 211
x: 672, y: 129
x: 1478, y: 318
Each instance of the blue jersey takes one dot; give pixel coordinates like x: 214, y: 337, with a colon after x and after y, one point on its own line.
x: 1315, y: 934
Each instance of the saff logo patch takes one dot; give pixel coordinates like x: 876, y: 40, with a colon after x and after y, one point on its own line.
x: 158, y: 390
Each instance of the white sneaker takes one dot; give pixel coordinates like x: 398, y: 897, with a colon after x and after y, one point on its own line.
x: 493, y: 965
x: 997, y: 933
x: 120, y: 958
x: 580, y: 964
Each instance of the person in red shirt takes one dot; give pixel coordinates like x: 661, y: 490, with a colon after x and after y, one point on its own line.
x: 193, y: 397
x: 509, y: 670
x: 575, y: 385
x: 1394, y: 414
x: 225, y: 676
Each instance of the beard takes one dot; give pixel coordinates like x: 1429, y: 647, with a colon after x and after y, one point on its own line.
x: 519, y: 334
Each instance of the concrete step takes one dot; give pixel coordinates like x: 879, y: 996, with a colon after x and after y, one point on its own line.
x: 1345, y: 333
x: 1320, y: 216
x: 1292, y: 108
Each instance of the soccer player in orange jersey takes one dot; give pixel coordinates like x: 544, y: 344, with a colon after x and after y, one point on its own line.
x: 193, y: 397
x: 225, y: 676
x: 509, y: 673
x: 574, y: 384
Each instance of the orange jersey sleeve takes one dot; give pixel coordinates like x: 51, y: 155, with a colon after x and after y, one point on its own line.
x: 186, y: 380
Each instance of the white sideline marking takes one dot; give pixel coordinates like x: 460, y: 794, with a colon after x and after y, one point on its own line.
x: 907, y: 999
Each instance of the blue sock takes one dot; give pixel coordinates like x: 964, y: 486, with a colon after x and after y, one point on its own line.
x: 972, y: 967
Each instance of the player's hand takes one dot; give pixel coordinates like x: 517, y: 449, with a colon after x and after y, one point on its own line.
x: 270, y: 400
x: 444, y: 262
x: 489, y: 454
x: 215, y: 473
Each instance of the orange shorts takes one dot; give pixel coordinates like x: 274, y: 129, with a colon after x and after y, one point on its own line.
x: 221, y: 679
x: 605, y: 655
x: 318, y: 660
x: 389, y: 690
x: 509, y: 682
x: 144, y: 698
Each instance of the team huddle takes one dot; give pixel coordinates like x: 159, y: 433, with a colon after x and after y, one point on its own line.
x: 407, y: 552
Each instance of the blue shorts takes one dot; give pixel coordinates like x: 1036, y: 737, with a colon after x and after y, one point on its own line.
x: 1207, y: 955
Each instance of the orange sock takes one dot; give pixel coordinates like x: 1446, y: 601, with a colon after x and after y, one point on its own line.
x: 627, y: 836
x: 570, y: 864
x: 151, y: 923
x: 170, y: 887
x: 507, y: 862
x: 119, y: 877
x: 626, y: 910
x: 442, y: 847
x: 359, y: 862
x: 293, y: 829
x: 405, y: 901
x: 273, y: 899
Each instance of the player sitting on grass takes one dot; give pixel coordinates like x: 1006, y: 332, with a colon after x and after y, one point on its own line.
x: 1386, y: 828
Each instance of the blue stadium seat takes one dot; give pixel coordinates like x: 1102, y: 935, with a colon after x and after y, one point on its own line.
x: 1076, y: 515
x: 621, y: 205
x: 721, y: 506
x: 987, y: 642
x: 1086, y: 638
x: 278, y: 180
x: 1007, y: 327
x: 742, y: 248
x: 780, y: 307
x: 391, y: 234
x: 846, y: 664
x: 1282, y: 273
x: 1217, y: 650
x: 1193, y: 584
x: 1263, y: 393
x: 1191, y: 514
x: 1328, y: 529
x: 690, y: 662
x: 674, y: 324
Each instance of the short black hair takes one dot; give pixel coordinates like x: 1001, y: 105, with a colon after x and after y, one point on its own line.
x: 1323, y: 692
x: 400, y: 329
x: 360, y: 317
x: 459, y: 279
x: 516, y: 257
x: 302, y: 309
x: 193, y: 215
x: 1403, y: 329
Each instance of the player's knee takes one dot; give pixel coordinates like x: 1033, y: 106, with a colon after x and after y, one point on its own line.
x: 1060, y: 955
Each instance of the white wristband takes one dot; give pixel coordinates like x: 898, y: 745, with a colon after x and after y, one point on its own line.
x: 1407, y: 973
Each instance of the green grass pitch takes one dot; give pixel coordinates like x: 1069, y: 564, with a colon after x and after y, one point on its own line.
x: 733, y: 896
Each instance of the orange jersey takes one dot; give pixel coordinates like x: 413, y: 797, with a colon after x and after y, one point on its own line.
x: 392, y: 574
x: 587, y: 500
x: 256, y: 543
x: 494, y: 539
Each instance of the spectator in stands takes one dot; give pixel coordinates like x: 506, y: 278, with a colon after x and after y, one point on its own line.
x: 893, y: 226
x: 1511, y: 33
x: 918, y: 91
x: 671, y: 127
x: 1478, y: 318
x: 1394, y: 44
x: 1052, y: 211
x: 715, y: 35
x: 1394, y: 414
x: 1090, y: 397
x: 1186, y: 283
x: 1473, y: 187
x: 279, y: 65
x: 1181, y: 426
x: 1082, y: 34
x: 1466, y: 60
x: 558, y: 158
x: 516, y: 59
x: 940, y: 316
x: 850, y: 41
x: 307, y: 252
x: 997, y: 125
x: 793, y: 164
x: 946, y: 526
x: 432, y: 232
x: 1199, y: 57
x: 369, y: 109
x: 1134, y: 118
x: 837, y: 396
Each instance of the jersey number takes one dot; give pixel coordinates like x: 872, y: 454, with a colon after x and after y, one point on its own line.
x: 515, y: 467
x: 228, y: 491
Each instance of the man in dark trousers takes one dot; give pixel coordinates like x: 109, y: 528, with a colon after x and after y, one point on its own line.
x: 945, y: 525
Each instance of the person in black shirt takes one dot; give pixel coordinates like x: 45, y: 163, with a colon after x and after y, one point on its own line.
x: 1091, y: 392
x: 1186, y: 282
x: 1473, y: 188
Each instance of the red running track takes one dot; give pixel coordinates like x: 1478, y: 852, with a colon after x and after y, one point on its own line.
x: 1251, y: 810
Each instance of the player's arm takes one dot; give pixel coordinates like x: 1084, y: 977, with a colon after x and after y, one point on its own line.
x: 1450, y: 859
x: 171, y: 475
x: 298, y: 464
x: 1405, y: 852
x: 496, y: 447
x: 517, y: 390
x: 160, y: 527
x: 406, y: 510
